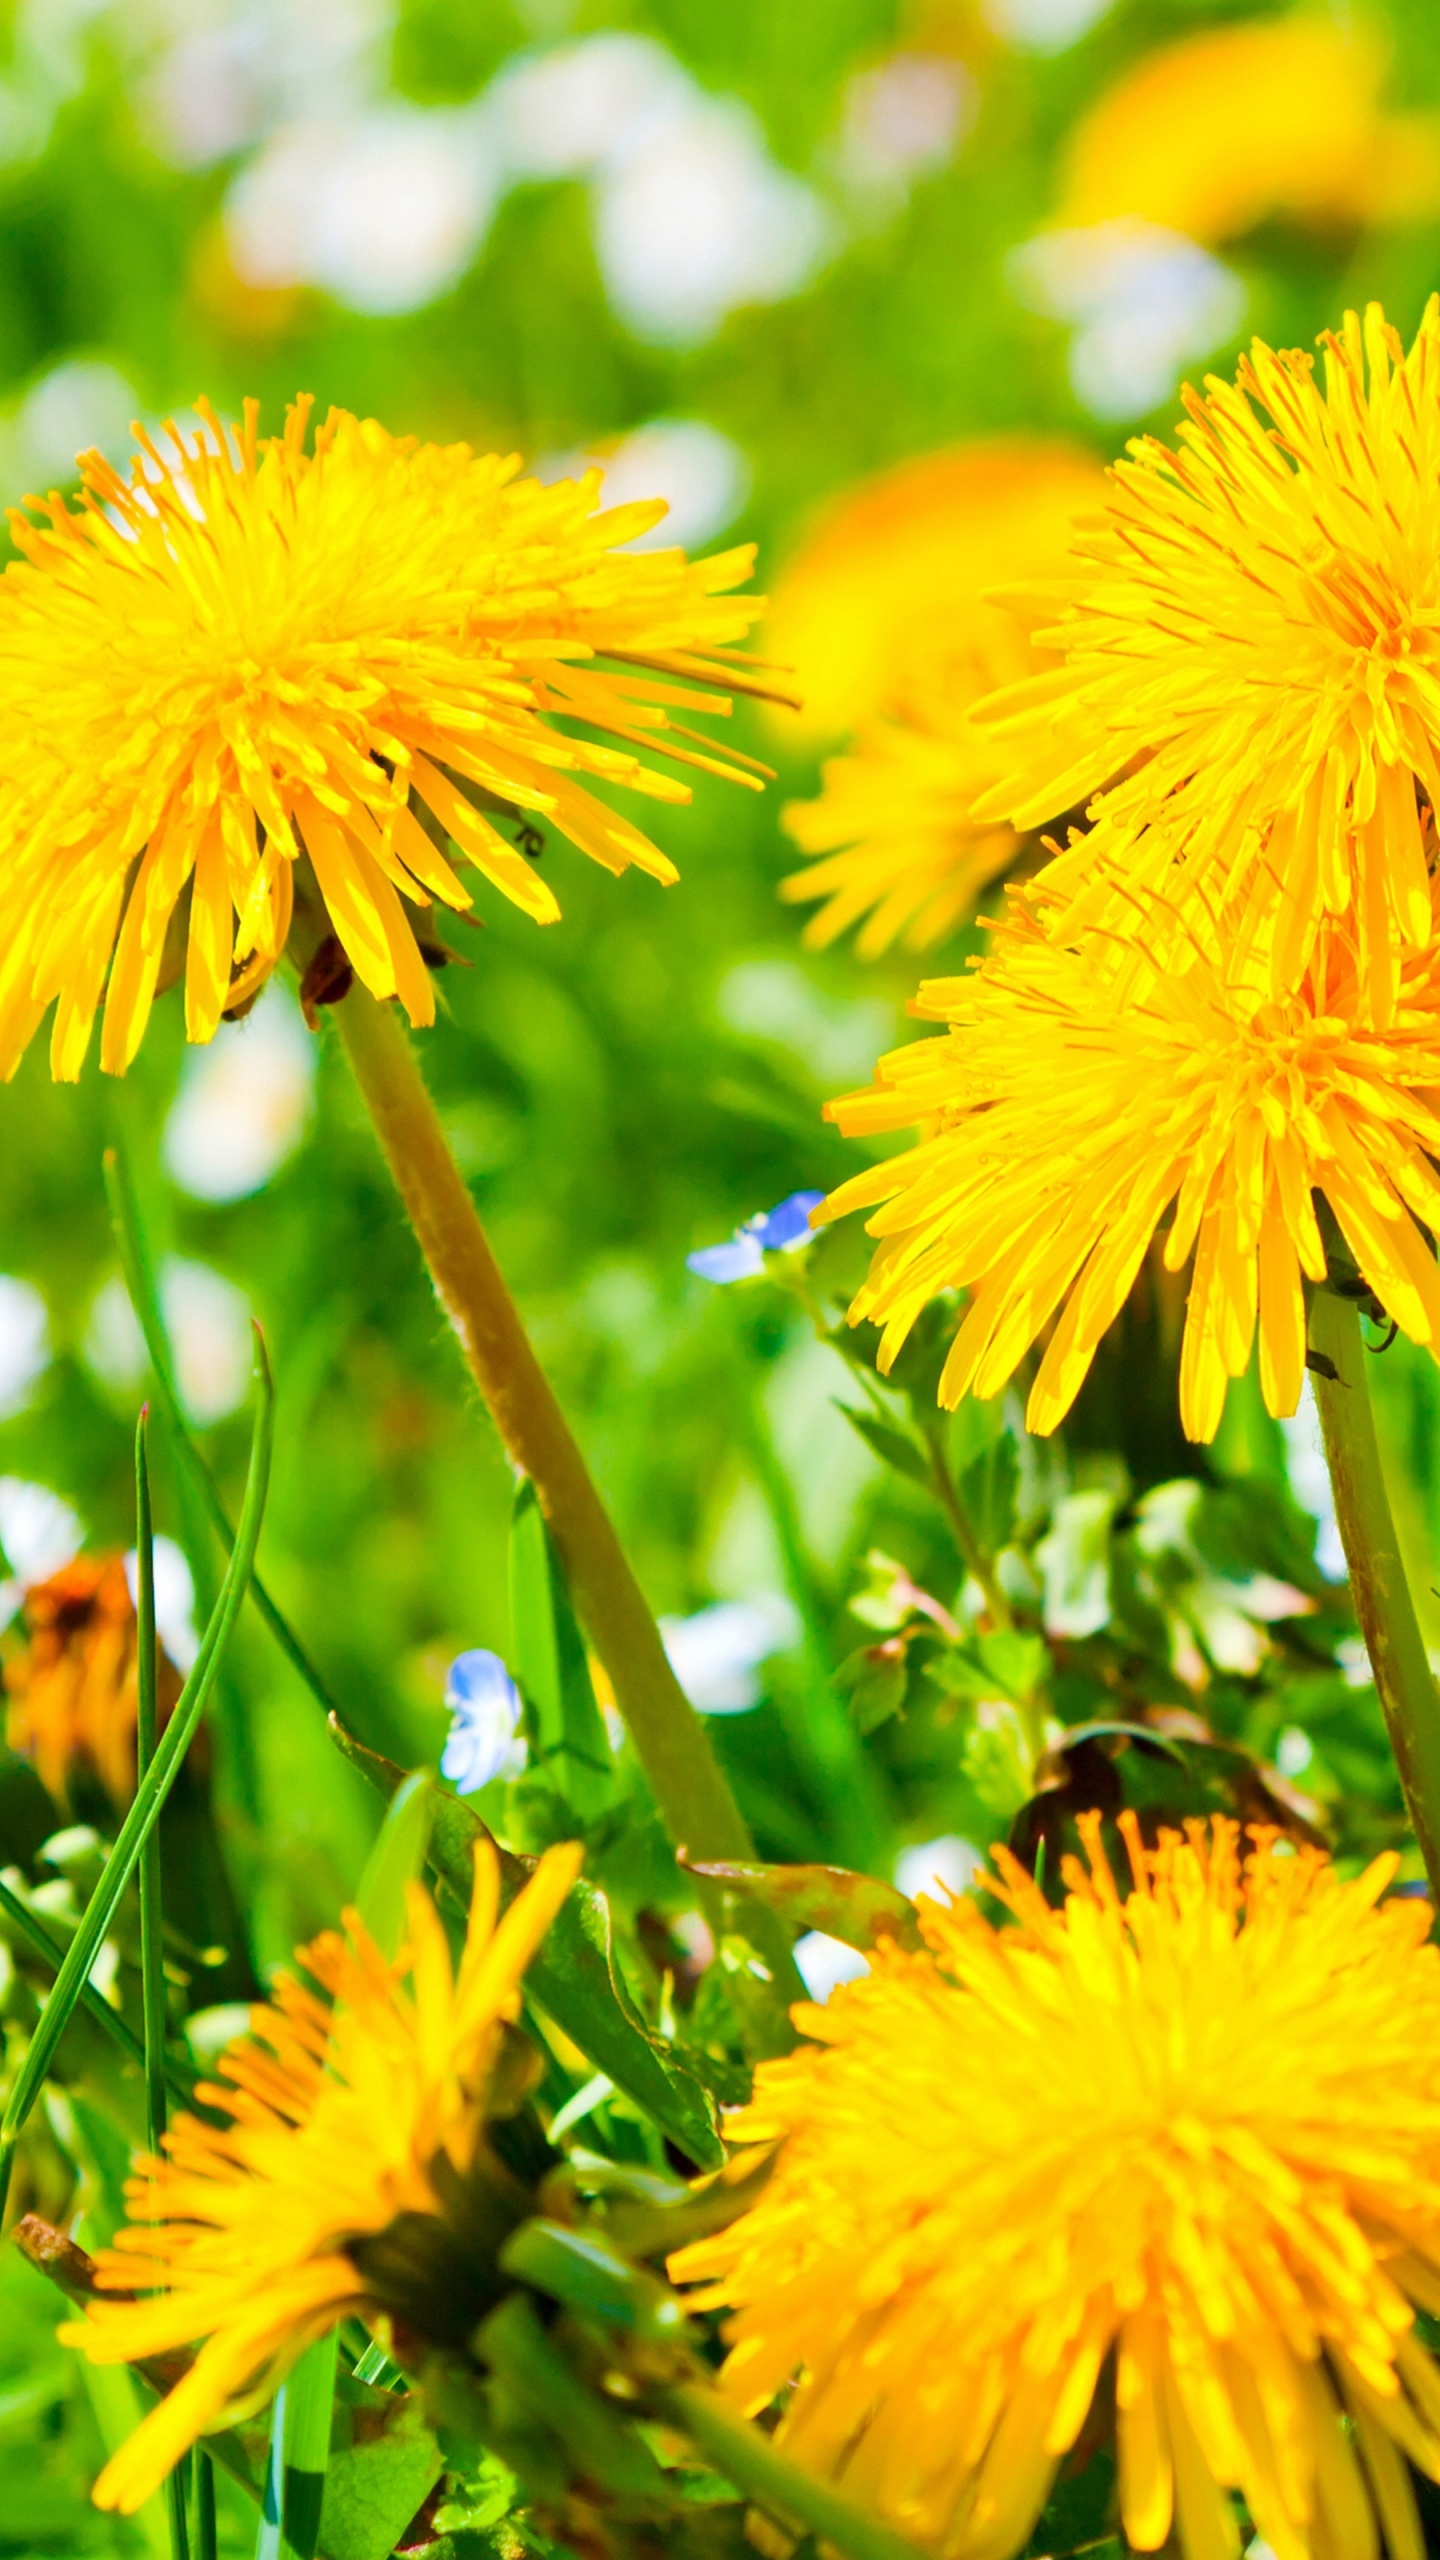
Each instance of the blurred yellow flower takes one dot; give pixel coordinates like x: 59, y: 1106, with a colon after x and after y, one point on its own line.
x: 1199, y: 2125
x: 1252, y: 643
x: 249, y: 654
x: 1229, y: 128
x: 73, y: 1689
x: 891, y: 830
x: 262, y: 2234
x: 896, y: 568
x: 1080, y: 1096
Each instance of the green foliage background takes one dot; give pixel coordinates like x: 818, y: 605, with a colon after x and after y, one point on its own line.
x: 632, y: 1083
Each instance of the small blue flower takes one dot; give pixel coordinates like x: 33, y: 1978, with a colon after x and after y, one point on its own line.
x: 485, y: 1741
x: 782, y: 1229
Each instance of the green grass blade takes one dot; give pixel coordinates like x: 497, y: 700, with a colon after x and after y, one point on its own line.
x: 309, y: 2394
x: 147, y: 1734
x: 159, y: 1778
x: 267, y: 2540
x: 28, y: 1925
x: 397, y: 1857
x: 152, y: 1941
x: 206, y: 2533
x: 138, y: 1270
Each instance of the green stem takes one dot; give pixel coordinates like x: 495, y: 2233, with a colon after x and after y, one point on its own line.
x: 51, y: 1951
x: 674, y: 1749
x: 777, y: 2484
x: 1383, y: 1604
x: 972, y: 1554
x: 206, y: 2536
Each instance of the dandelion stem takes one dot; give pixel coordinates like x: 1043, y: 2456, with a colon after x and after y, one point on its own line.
x: 694, y: 1798
x: 1383, y: 1604
x: 780, y: 2486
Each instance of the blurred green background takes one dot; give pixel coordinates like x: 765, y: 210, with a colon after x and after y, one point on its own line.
x: 744, y: 255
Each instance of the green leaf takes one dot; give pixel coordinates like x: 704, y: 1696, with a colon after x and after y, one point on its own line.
x: 384, y: 2462
x: 572, y: 1975
x: 395, y: 1861
x: 569, y: 1737
x: 875, y: 1679
x: 987, y: 1488
x: 895, y: 1448
x: 860, y: 1910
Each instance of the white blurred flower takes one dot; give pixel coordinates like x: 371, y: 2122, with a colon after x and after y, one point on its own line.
x: 579, y: 108
x: 824, y: 1963
x: 1310, y: 1482
x: 208, y: 1321
x: 1294, y: 1752
x: 24, y: 1341
x: 702, y: 475
x: 77, y: 404
x: 484, y: 1740
x: 1144, y: 302
x: 938, y: 1867
x: 698, y: 220
x: 1045, y: 26
x: 38, y: 1533
x: 174, y: 1600
x: 902, y: 117
x: 226, y: 70
x: 384, y: 209
x: 716, y: 1654
x: 244, y: 1102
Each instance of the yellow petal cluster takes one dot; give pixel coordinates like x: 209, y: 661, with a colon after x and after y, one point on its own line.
x: 340, y: 2114
x: 898, y: 570
x: 1237, y: 124
x: 1082, y: 1100
x: 1183, y: 2142
x: 895, y: 846
x: 252, y: 653
x: 1251, y: 661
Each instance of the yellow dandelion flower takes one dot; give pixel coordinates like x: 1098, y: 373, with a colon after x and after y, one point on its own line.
x: 1227, y: 128
x: 1198, y: 2126
x: 73, y: 1688
x: 896, y: 569
x: 249, y: 652
x: 1080, y: 1098
x: 1254, y: 647
x: 891, y: 833
x: 346, y: 2120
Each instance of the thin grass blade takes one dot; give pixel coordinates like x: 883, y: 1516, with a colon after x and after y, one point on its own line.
x: 159, y: 1778
x: 138, y: 1271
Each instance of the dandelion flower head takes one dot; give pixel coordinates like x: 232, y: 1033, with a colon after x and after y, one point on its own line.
x: 251, y: 651
x: 1197, y: 2126
x: 895, y: 847
x: 1252, y: 645
x: 72, y: 1689
x: 897, y: 569
x: 1231, y: 126
x: 1080, y: 1097
x: 344, y: 2121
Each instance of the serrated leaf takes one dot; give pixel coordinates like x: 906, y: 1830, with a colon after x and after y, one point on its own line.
x: 875, y: 1680
x: 572, y: 1975
x: 568, y: 1731
x: 857, y: 1909
x: 384, y: 2462
x: 894, y: 1448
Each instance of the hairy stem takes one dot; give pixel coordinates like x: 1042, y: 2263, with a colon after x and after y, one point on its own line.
x: 1383, y: 1604
x: 694, y: 1799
